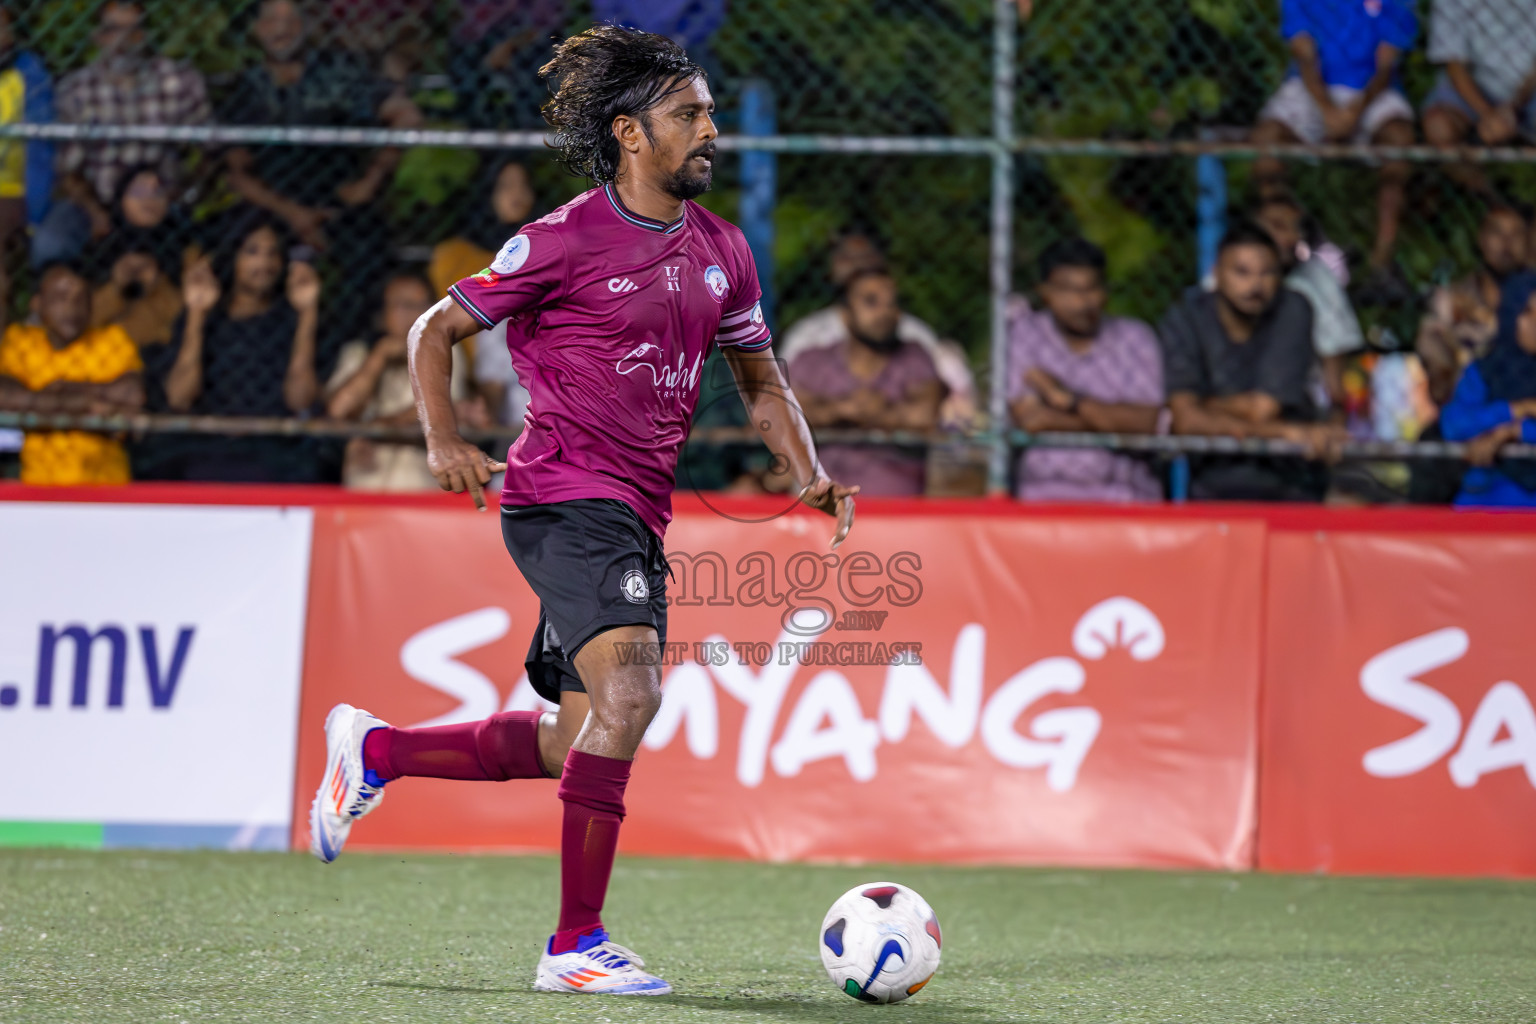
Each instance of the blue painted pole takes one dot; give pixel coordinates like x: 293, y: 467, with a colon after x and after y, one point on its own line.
x: 759, y: 186
x: 1211, y: 210
x: 1178, y: 480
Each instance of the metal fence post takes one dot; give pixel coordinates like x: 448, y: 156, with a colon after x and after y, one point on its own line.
x: 1003, y: 59
x: 758, y: 185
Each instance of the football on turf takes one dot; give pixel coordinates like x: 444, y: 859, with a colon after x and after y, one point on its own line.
x: 880, y: 942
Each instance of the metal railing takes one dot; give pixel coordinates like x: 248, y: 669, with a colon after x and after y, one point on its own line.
x: 1010, y: 440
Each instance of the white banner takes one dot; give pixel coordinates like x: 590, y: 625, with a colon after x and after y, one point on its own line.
x: 150, y: 659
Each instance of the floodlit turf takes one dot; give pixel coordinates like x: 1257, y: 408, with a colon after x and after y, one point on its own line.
x: 198, y: 937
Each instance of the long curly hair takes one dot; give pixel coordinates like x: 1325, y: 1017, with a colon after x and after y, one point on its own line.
x: 600, y: 74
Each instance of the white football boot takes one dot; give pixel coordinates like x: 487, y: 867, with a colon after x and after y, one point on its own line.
x: 597, y: 966
x: 344, y: 794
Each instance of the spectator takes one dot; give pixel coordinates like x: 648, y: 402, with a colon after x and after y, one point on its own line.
x: 1343, y: 87
x: 1070, y: 368
x: 1463, y: 316
x: 1495, y: 405
x: 63, y: 365
x: 1436, y: 481
x: 125, y: 84
x: 328, y: 196
x: 26, y: 167
x: 1488, y: 81
x: 872, y: 380
x: 141, y: 260
x: 854, y: 254
x: 390, y: 33
x: 499, y: 46
x: 1335, y: 328
x: 245, y: 346
x: 372, y: 383
x: 506, y: 203
x: 1236, y: 364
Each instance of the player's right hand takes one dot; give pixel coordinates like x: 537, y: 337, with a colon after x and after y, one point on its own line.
x: 835, y: 500
x: 460, y: 466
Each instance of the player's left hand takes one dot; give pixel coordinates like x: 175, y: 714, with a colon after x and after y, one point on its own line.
x: 835, y: 500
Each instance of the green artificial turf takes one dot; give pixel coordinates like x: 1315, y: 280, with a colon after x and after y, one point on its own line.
x: 198, y: 937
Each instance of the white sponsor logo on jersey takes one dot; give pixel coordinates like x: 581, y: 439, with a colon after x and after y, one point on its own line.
x: 680, y: 378
x: 621, y: 285
x: 512, y: 256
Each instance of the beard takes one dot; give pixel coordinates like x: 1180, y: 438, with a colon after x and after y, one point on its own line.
x: 685, y: 183
x: 1500, y: 272
x: 885, y: 345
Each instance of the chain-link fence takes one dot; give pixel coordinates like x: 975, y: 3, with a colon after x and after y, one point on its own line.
x: 960, y: 137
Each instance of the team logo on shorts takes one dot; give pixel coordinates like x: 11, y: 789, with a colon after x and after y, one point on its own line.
x: 512, y: 256
x: 636, y: 589
x: 718, y: 285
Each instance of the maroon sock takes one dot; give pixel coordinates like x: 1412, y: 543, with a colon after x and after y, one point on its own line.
x: 593, y: 790
x: 504, y: 746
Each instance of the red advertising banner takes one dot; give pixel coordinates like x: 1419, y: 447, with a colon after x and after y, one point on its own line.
x: 1398, y: 731
x: 1087, y: 690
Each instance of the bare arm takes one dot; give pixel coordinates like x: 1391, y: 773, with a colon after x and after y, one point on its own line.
x: 351, y: 397
x: 15, y: 396
x: 185, y: 381
x: 1219, y: 417
x: 772, y: 407
x: 1304, y: 50
x: 1526, y: 91
x: 1191, y: 416
x: 1078, y: 412
x: 1467, y: 88
x: 307, y: 222
x: 1387, y: 57
x: 301, y: 384
x: 457, y: 464
x: 1252, y: 407
x: 77, y: 190
x: 255, y: 191
x: 917, y: 410
x: 123, y: 396
x: 1034, y: 416
x: 1118, y: 417
x: 396, y: 112
x: 822, y: 411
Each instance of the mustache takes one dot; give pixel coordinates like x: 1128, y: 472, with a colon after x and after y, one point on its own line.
x: 707, y: 150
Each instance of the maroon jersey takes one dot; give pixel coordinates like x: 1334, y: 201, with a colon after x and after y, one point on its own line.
x: 610, y: 316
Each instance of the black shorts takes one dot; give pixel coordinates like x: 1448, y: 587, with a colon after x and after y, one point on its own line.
x: 594, y: 565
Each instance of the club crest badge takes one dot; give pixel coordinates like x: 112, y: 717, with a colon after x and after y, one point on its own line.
x: 714, y: 277
x: 636, y: 589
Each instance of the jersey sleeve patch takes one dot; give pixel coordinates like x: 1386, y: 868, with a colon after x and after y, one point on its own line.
x: 512, y: 255
x: 744, y: 329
